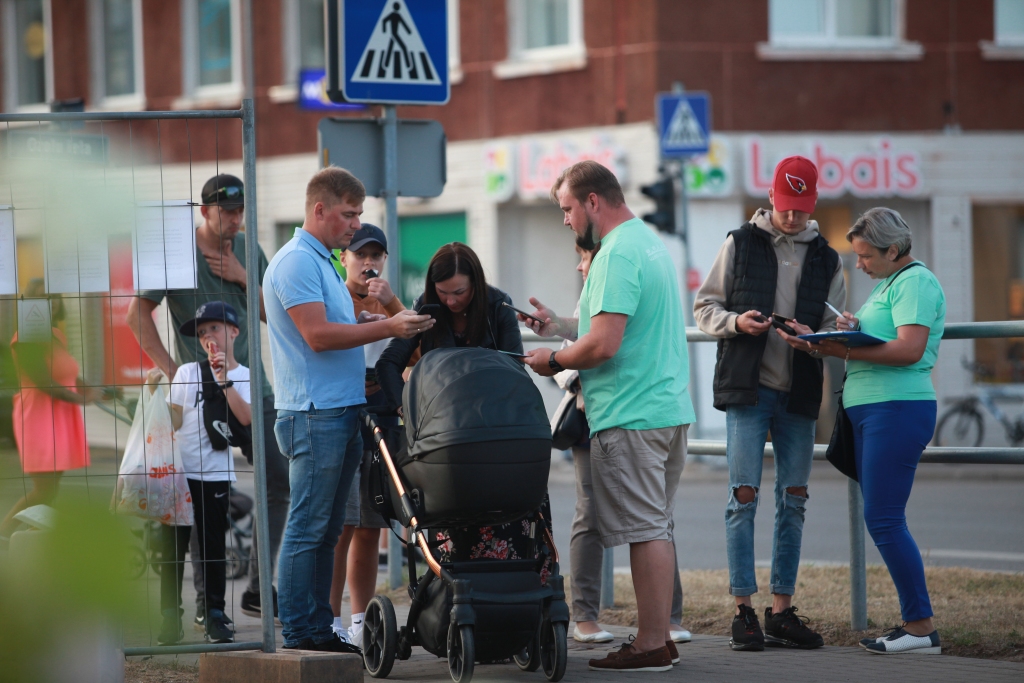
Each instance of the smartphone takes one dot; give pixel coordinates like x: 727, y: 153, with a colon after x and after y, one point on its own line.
x: 517, y: 356
x: 371, y: 273
x: 522, y: 313
x: 779, y: 322
x: 433, y: 310
x: 760, y: 318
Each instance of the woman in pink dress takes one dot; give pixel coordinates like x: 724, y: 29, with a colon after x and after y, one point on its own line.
x: 48, y: 424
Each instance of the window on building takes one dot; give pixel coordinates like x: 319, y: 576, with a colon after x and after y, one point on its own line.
x: 1009, y: 28
x: 998, y: 245
x: 840, y: 23
x: 539, y: 27
x: 117, y: 49
x: 212, y: 49
x: 311, y: 34
x: 26, y: 39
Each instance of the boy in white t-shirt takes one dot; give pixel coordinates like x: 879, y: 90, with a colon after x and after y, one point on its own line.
x: 203, y: 443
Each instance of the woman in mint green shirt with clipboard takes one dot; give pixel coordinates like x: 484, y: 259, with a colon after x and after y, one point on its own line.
x: 890, y: 401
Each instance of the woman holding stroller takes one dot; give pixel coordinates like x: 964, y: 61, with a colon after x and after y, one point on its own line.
x: 469, y: 313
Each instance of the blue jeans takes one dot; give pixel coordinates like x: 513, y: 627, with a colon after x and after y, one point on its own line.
x: 793, y: 438
x: 324, y: 450
x: 888, y: 440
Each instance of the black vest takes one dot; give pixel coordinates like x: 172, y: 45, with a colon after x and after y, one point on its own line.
x: 755, y: 268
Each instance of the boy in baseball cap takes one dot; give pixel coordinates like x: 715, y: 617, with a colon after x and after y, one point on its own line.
x: 775, y: 265
x: 202, y: 394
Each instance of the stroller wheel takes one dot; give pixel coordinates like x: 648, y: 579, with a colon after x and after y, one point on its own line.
x: 136, y: 563
x: 461, y: 653
x: 529, y: 658
x: 380, y: 637
x: 237, y: 560
x: 553, y: 650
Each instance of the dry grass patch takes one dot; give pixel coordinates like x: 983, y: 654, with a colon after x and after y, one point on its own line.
x: 978, y: 614
x: 147, y: 671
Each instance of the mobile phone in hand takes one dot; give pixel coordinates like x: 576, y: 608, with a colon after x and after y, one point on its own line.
x: 522, y: 313
x: 779, y: 322
x: 433, y: 310
x: 370, y: 273
x: 759, y: 318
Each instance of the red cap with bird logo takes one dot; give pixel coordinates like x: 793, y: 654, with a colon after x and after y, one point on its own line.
x: 795, y: 185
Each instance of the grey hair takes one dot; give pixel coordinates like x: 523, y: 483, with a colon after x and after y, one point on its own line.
x: 882, y: 228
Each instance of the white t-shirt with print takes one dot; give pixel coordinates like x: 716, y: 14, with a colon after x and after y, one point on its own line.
x: 191, y: 442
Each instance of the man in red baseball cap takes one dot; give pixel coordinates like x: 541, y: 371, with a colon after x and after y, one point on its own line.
x: 777, y: 270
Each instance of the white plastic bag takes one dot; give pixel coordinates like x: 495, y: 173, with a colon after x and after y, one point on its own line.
x: 151, y: 482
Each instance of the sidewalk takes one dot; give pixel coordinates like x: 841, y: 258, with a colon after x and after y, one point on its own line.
x: 707, y: 659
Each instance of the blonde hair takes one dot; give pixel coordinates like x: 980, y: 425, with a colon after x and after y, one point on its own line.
x: 332, y: 185
x: 882, y: 228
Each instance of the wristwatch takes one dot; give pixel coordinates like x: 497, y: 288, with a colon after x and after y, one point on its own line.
x: 554, y: 364
x: 227, y: 385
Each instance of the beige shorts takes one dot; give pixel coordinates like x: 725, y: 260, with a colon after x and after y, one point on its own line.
x: 636, y: 473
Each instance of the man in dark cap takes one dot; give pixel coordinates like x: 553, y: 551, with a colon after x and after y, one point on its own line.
x: 220, y: 274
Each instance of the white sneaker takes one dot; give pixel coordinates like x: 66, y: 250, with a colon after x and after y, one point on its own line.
x: 901, y: 642
x: 355, y: 634
x: 680, y: 636
x: 601, y: 636
x: 342, y: 633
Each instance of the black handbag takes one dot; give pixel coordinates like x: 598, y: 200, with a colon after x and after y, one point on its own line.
x: 570, y: 425
x: 840, y: 451
x: 222, y: 426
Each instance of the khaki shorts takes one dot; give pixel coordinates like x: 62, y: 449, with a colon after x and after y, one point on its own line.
x: 636, y: 473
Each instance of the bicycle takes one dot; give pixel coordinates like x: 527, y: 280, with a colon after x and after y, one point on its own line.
x: 963, y: 424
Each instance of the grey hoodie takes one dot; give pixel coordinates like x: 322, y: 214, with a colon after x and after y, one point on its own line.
x: 709, y: 308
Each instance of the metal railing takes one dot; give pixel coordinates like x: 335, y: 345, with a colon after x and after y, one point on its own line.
x: 247, y: 115
x: 963, y: 456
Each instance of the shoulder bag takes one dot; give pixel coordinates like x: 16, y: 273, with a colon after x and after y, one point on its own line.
x: 222, y: 426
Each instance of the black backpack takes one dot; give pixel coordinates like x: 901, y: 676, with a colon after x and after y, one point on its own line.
x: 222, y: 426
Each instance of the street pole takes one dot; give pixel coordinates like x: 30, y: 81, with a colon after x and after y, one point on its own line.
x: 393, y: 275
x: 683, y: 230
x: 858, y: 566
x: 608, y: 579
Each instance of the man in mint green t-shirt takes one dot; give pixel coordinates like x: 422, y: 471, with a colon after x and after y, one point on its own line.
x: 631, y: 353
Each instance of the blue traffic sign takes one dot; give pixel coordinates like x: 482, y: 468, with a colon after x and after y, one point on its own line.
x: 313, y: 93
x: 394, y: 51
x: 684, y: 123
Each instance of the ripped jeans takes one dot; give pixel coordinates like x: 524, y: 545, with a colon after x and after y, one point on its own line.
x: 793, y: 439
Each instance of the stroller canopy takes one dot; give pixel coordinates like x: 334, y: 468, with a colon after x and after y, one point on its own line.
x: 469, y: 395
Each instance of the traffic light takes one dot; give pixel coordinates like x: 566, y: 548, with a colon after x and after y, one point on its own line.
x: 663, y: 192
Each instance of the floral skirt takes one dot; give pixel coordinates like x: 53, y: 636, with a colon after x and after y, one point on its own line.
x: 503, y: 542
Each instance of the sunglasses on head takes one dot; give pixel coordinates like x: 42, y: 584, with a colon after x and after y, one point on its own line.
x: 230, y: 192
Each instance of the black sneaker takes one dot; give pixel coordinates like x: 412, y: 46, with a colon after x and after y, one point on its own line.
x: 304, y: 644
x: 788, y: 629
x: 746, y: 631
x: 336, y: 644
x: 251, y: 605
x: 218, y: 629
x: 199, y: 623
x: 171, y: 632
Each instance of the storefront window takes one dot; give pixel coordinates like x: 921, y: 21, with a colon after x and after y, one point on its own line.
x: 998, y: 234
x: 31, y: 56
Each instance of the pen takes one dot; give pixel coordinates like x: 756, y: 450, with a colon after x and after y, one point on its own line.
x: 836, y: 311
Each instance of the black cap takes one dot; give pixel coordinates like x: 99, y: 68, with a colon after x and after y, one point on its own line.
x: 213, y: 311
x: 366, y: 234
x: 225, y: 191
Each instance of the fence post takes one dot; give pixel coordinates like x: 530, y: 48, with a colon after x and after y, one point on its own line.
x: 259, y: 460
x: 858, y: 568
x: 608, y: 579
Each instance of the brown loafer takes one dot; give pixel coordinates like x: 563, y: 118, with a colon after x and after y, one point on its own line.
x: 672, y: 651
x: 628, y: 659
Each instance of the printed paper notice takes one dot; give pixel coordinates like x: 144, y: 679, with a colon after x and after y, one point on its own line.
x: 163, y: 246
x: 77, y: 261
x: 8, y: 253
x: 34, y: 320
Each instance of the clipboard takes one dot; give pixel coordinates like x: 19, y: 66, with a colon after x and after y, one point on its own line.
x: 851, y: 339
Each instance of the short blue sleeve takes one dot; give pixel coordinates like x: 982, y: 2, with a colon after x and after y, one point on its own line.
x: 297, y: 280
x: 614, y: 286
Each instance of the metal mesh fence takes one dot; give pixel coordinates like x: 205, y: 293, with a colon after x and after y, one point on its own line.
x: 106, y: 249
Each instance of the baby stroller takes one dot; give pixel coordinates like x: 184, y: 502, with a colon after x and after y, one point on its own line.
x: 475, y: 451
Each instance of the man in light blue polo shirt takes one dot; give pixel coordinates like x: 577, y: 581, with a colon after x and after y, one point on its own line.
x: 315, y: 345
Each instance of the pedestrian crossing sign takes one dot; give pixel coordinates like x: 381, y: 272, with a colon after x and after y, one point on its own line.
x: 684, y: 123
x: 394, y: 51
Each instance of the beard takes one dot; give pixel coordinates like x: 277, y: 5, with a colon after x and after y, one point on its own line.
x: 586, y: 240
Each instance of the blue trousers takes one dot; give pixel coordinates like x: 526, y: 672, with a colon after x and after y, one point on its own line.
x: 889, y: 438
x: 793, y: 439
x: 324, y: 450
